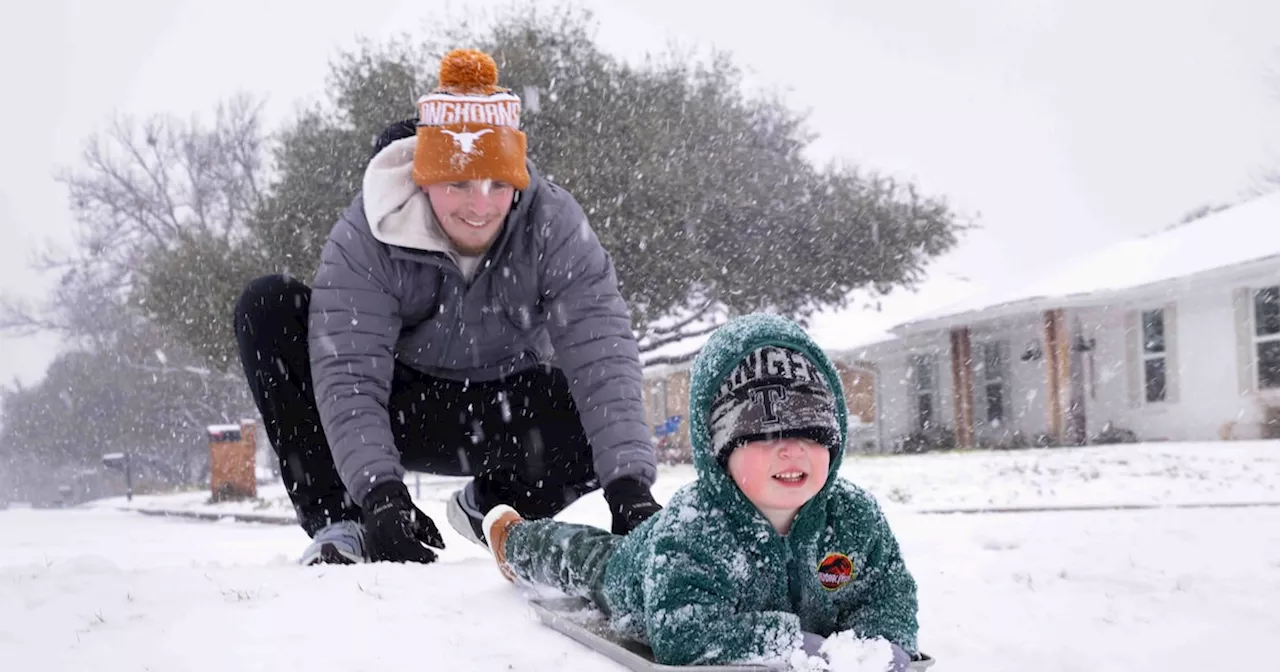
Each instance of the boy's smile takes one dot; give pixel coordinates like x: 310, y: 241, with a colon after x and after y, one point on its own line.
x: 791, y: 479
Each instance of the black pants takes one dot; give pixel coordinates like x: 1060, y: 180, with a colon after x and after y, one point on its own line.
x: 520, y: 437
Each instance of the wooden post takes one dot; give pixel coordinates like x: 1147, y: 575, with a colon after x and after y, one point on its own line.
x: 232, y: 457
x: 962, y: 385
x: 859, y: 381
x: 249, y: 457
x: 1057, y: 359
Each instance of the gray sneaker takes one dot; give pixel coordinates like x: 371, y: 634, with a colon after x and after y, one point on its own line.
x: 340, y: 543
x: 465, y: 516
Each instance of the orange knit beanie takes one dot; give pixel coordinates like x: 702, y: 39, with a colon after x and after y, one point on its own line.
x: 469, y: 127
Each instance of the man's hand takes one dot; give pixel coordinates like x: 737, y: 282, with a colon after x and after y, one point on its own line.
x: 395, y: 530
x: 631, y: 503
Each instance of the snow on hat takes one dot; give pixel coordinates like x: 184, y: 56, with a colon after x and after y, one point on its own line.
x: 469, y: 127
x: 773, y: 393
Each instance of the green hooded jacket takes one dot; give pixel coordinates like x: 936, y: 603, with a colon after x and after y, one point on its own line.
x: 708, y: 580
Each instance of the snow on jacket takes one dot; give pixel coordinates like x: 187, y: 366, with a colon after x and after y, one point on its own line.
x: 390, y: 289
x: 709, y: 581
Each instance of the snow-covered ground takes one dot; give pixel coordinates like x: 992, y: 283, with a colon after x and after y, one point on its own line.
x: 1166, y: 590
x: 1140, y: 474
x: 1136, y: 474
x: 106, y: 590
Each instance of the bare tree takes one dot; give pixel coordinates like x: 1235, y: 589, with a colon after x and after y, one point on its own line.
x: 162, y: 181
x: 141, y: 190
x: 143, y: 187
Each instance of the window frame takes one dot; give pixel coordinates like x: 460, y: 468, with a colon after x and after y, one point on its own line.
x: 1145, y: 355
x: 1257, y: 339
x: 919, y: 362
x: 994, y: 376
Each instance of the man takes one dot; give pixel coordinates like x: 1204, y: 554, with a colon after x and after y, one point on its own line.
x: 464, y: 320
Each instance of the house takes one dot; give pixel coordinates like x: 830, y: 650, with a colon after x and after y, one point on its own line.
x: 843, y: 334
x: 1170, y: 336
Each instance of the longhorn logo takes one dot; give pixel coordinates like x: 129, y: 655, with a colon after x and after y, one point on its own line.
x: 466, y: 141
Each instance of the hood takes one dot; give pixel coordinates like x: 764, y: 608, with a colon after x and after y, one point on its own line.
x: 722, y: 352
x: 398, y: 211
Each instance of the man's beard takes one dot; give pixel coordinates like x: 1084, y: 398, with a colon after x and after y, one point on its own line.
x: 476, y: 250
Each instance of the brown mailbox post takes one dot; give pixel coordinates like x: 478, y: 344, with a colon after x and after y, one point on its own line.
x: 232, y: 451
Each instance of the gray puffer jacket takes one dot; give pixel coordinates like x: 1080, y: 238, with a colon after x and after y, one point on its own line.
x: 390, y: 288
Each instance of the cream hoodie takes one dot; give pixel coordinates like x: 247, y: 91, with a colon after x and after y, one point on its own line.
x: 399, y: 211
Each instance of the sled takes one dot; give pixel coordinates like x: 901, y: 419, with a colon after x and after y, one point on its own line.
x: 575, y: 618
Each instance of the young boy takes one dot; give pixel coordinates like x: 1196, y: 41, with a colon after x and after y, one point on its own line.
x: 768, y: 551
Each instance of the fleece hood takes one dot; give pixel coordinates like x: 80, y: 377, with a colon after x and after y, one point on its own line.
x: 717, y: 359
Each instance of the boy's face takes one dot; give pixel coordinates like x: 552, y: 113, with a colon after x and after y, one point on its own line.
x: 471, y: 213
x: 780, y: 476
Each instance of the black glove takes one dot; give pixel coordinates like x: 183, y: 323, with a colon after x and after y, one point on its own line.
x: 394, y: 529
x: 630, y: 502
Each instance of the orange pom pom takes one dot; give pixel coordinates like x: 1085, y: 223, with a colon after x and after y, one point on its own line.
x: 468, y: 70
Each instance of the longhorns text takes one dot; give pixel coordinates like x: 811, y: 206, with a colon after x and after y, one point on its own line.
x: 445, y: 110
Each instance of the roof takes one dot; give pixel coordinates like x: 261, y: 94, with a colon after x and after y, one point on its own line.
x: 865, y: 321
x: 1244, y: 235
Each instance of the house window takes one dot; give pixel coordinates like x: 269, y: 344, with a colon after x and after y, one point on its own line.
x: 657, y: 402
x: 993, y: 383
x: 1266, y: 320
x: 1155, y: 376
x: 925, y: 392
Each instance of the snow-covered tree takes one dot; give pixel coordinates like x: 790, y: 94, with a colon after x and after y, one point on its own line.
x: 701, y: 193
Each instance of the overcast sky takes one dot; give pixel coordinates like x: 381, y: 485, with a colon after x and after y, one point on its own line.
x: 1062, y: 123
